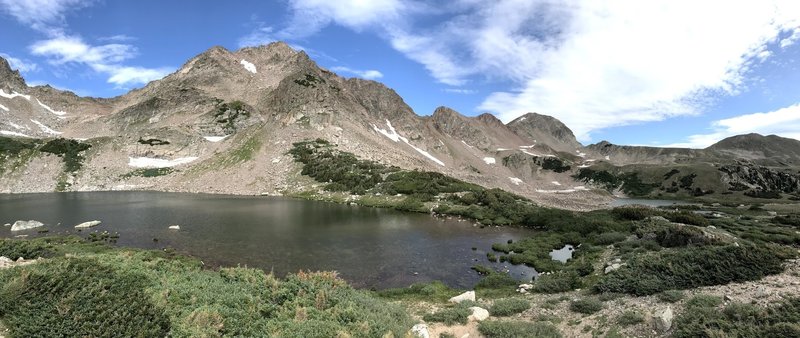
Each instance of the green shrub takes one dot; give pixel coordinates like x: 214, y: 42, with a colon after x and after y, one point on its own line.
x: 69, y: 150
x: 496, y: 280
x: 153, y: 142
x: 151, y: 293
x: 629, y: 318
x: 691, y: 267
x: 11, y: 146
x: 561, y: 281
x: 554, y: 164
x: 607, y: 238
x: 433, y: 291
x: 740, y: 320
x: 586, y: 306
x: 509, y: 306
x: 704, y: 301
x: 687, y: 217
x: 449, y: 316
x: 516, y: 329
x: 15, y: 248
x: 149, y: 172
x: 670, y: 296
x: 80, y: 297
x: 791, y: 220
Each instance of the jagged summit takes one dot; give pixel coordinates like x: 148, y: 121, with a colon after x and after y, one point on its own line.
x: 9, y: 77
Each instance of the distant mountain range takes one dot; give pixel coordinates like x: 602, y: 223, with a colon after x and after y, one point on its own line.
x: 224, y: 121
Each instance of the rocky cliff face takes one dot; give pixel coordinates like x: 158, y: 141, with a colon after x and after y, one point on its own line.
x: 225, y: 120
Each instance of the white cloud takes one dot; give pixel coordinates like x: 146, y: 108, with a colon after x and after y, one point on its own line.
x: 783, y: 122
x: 125, y: 76
x: 42, y: 15
x: 102, y: 58
x: 64, y: 49
x: 791, y: 39
x: 309, y: 16
x: 22, y: 65
x: 592, y: 64
x: 367, y: 74
x: 629, y: 62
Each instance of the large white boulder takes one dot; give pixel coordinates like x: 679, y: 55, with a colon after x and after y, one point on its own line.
x: 420, y: 331
x: 478, y: 314
x: 25, y: 225
x: 469, y: 295
x: 663, y: 319
x: 88, y: 224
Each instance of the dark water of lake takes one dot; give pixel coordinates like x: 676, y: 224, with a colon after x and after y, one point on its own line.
x: 369, y: 247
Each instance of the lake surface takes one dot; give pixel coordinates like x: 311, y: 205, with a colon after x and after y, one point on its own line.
x: 369, y: 247
x: 564, y: 254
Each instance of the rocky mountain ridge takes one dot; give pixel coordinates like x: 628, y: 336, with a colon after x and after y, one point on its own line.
x: 225, y: 121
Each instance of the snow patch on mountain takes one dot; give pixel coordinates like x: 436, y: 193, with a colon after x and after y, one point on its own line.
x: 249, y: 66
x: 215, y: 138
x: 46, y: 129
x: 13, y: 95
x: 3, y: 107
x: 515, y: 180
x: 392, y: 134
x: 489, y: 160
x: 59, y: 113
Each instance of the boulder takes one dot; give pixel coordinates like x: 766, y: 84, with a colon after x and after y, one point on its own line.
x: 88, y: 224
x: 25, y: 225
x: 478, y: 314
x: 662, y: 319
x: 420, y: 331
x: 174, y: 227
x: 469, y: 295
x: 613, y: 267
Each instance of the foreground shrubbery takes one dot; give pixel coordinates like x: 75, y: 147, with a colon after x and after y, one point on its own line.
x: 146, y: 293
x: 691, y: 267
x: 740, y: 320
x: 517, y: 329
x: 509, y: 306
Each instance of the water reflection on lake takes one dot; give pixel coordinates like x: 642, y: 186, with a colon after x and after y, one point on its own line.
x: 369, y: 247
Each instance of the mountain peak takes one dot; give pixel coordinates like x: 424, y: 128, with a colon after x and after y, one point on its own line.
x: 10, y: 77
x: 545, y: 129
x: 753, y: 145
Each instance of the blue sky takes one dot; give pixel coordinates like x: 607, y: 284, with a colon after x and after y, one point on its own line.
x: 667, y: 73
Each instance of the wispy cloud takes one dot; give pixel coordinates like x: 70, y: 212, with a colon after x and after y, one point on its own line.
x: 782, y: 122
x: 22, y: 65
x: 49, y: 17
x: 463, y: 91
x: 66, y: 49
x: 46, y: 16
x: 117, y: 38
x: 367, y: 74
x: 101, y: 58
x: 259, y: 36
